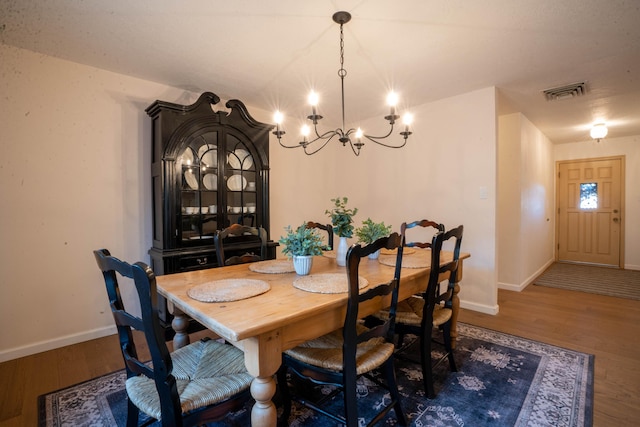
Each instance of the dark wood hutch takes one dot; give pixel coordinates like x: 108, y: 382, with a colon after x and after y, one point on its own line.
x: 209, y: 169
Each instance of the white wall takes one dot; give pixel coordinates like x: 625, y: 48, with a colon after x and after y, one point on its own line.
x: 74, y: 173
x: 74, y: 177
x: 525, y: 200
x: 438, y: 175
x: 629, y: 147
x: 509, y: 204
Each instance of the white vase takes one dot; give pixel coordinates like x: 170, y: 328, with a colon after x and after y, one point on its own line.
x: 341, y: 252
x: 375, y: 255
x: 302, y: 264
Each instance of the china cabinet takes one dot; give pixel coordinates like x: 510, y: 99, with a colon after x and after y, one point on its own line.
x: 209, y: 169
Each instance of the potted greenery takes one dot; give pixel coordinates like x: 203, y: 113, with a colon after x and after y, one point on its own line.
x: 301, y: 244
x: 372, y: 231
x: 342, y: 221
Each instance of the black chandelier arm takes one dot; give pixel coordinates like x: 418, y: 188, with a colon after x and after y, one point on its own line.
x: 290, y: 146
x: 376, y: 139
x: 355, y: 147
x: 328, y: 134
x: 320, y: 147
x: 373, y: 138
x: 327, y: 137
x: 404, y: 141
x: 278, y: 133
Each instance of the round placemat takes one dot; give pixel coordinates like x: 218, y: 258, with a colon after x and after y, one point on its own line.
x: 405, y: 251
x: 226, y: 290
x: 328, y: 283
x: 420, y: 259
x: 273, y: 266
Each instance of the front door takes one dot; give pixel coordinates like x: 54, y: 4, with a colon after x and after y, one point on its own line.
x: 590, y: 211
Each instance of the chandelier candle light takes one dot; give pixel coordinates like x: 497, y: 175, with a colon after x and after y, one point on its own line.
x: 344, y: 136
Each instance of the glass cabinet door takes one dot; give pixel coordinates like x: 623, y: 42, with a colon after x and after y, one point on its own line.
x: 240, y: 178
x: 198, y: 171
x: 217, y: 186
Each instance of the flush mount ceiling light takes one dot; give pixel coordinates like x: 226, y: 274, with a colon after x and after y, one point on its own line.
x: 599, y: 131
x: 354, y: 137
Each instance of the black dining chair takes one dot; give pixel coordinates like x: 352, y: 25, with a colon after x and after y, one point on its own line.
x: 420, y: 314
x: 424, y: 230
x: 328, y: 228
x: 339, y: 358
x: 201, y: 382
x: 241, y: 236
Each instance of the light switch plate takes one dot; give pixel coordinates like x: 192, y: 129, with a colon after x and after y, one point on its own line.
x: 484, y: 193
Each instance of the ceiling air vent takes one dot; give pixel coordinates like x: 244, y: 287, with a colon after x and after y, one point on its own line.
x: 568, y: 91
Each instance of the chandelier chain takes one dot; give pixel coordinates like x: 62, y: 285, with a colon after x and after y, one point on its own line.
x: 342, y: 72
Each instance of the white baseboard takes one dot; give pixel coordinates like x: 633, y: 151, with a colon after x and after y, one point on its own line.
x: 511, y: 286
x: 526, y: 282
x: 631, y: 267
x: 39, y: 347
x: 482, y: 308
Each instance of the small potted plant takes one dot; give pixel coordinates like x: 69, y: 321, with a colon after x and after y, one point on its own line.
x: 372, y: 231
x: 342, y: 221
x: 301, y: 244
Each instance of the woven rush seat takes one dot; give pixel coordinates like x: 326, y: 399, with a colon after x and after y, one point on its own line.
x: 410, y: 312
x: 206, y: 372
x: 326, y: 352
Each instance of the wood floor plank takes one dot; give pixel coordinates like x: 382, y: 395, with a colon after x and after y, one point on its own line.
x: 11, y: 397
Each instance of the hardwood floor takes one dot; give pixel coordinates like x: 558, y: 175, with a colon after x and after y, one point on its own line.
x: 604, y: 326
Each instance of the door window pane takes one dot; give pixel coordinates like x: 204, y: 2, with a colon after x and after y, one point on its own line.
x: 589, y: 195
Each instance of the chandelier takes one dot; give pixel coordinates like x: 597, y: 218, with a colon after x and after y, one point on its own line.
x: 354, y: 137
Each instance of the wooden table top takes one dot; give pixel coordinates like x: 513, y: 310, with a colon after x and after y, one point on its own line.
x: 283, y: 305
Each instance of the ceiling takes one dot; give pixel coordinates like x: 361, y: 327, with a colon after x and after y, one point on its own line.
x: 269, y: 54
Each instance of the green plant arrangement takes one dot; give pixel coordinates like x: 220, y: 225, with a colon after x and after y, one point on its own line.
x: 341, y: 217
x: 302, y: 241
x: 372, y: 231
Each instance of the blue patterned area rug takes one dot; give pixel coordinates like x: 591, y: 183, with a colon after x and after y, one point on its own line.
x: 502, y: 380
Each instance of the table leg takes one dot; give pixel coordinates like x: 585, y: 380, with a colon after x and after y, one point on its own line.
x: 180, y: 325
x: 262, y: 357
x: 455, y: 309
x: 264, y: 412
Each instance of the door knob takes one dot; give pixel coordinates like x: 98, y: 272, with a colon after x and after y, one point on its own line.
x: 615, y: 219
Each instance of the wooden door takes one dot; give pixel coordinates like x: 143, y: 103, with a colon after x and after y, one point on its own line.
x: 590, y: 204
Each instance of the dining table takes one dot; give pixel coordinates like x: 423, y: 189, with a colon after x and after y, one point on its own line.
x: 281, y: 314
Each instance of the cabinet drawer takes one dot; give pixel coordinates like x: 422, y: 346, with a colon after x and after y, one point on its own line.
x: 197, y: 262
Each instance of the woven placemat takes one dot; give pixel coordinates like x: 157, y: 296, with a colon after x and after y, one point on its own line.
x: 274, y: 266
x: 405, y: 251
x: 328, y: 283
x: 420, y: 259
x: 226, y: 290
